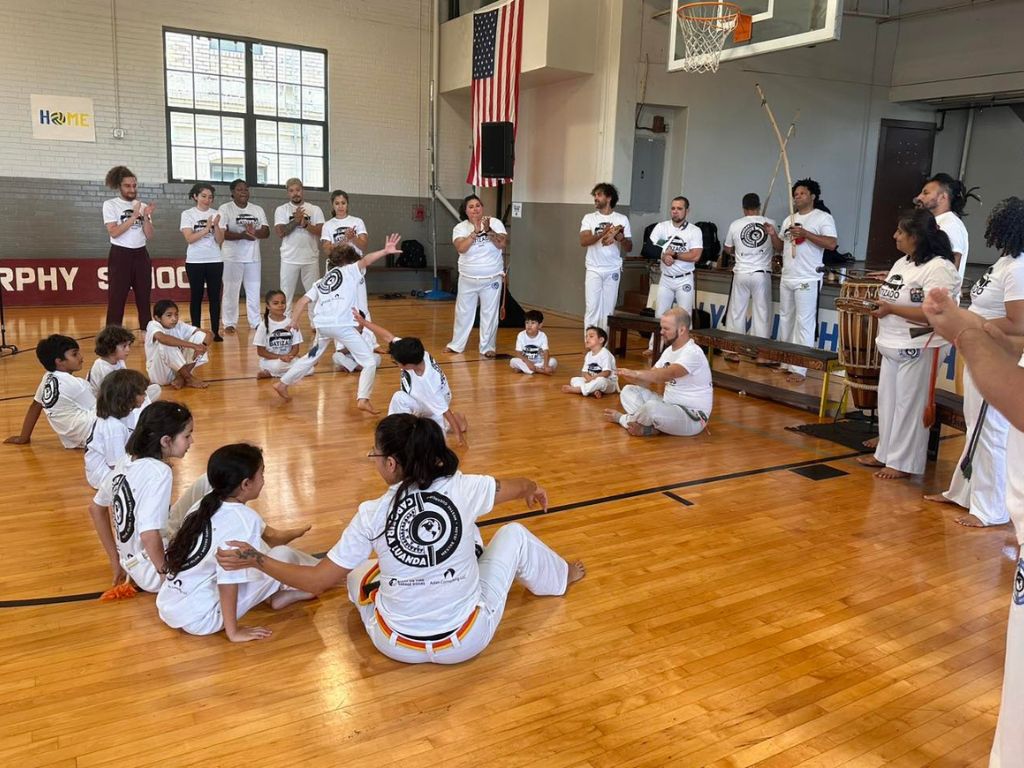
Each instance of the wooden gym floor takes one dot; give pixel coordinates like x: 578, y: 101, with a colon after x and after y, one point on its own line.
x: 735, y: 612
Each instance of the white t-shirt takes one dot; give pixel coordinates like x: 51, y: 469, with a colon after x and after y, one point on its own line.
x: 955, y: 230
x: 604, y: 259
x: 431, y: 389
x: 69, y: 405
x: 801, y: 260
x: 599, y: 362
x: 117, y: 211
x: 181, y: 331
x: 106, y: 445
x: 483, y: 258
x: 334, y: 230
x: 234, y: 219
x: 138, y: 492
x: 533, y: 348
x: 300, y: 245
x: 430, y: 580
x: 204, y: 250
x: 280, y: 339
x: 100, y: 370
x: 907, y: 285
x: 333, y: 296
x: 191, y: 594
x: 1002, y: 282
x: 693, y: 390
x: 752, y: 246
x: 673, y: 239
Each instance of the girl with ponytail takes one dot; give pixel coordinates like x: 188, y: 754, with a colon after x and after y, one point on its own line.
x: 428, y: 597
x: 276, y: 342
x: 203, y: 599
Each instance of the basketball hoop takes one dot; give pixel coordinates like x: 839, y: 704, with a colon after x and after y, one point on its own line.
x: 704, y: 27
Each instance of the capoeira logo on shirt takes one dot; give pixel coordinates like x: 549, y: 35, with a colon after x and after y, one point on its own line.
x: 127, y: 214
x: 424, y: 530
x: 593, y: 368
x: 244, y: 220
x: 199, y: 225
x: 674, y: 245
x: 124, y: 509
x: 201, y: 549
x: 51, y: 391
x: 1018, y: 584
x: 979, y: 287
x: 891, y: 289
x: 917, y: 295
x: 531, y: 352
x: 754, y: 235
x: 331, y: 281
x: 280, y: 341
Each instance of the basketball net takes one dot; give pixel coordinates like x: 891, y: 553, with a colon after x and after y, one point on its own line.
x: 704, y: 27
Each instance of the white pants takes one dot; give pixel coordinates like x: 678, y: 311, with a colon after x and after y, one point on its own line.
x: 353, y: 341
x: 349, y: 363
x: 647, y: 408
x: 604, y: 384
x: 403, y: 402
x: 518, y: 364
x: 485, y: 291
x: 985, y: 493
x: 798, y: 311
x: 902, y: 396
x: 165, y: 361
x: 601, y: 292
x: 276, y: 368
x: 235, y: 275
x: 514, y: 554
x: 290, y: 273
x: 754, y: 290
x: 679, y: 290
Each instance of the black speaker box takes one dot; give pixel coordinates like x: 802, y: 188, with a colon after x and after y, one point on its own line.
x: 497, y: 150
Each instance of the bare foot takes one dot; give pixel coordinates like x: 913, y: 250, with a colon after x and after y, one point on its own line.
x: 365, y: 405
x: 285, y: 597
x: 570, y: 390
x: 120, y: 577
x: 869, y: 461
x: 612, y: 416
x: 544, y: 371
x: 577, y: 570
x: 891, y: 474
x: 195, y: 382
x: 451, y: 351
x: 871, y: 442
x: 489, y: 354
x: 598, y: 394
x: 263, y: 375
x: 462, y: 421
x: 178, y: 383
x: 282, y: 389
x: 938, y: 498
x: 230, y: 330
x: 969, y: 521
x: 289, y: 535
x: 636, y: 429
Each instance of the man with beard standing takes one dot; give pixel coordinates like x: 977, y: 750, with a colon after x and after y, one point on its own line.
x: 298, y: 224
x: 129, y: 224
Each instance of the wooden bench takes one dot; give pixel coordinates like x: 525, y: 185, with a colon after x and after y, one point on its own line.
x: 621, y: 323
x: 444, y: 274
x: 949, y: 410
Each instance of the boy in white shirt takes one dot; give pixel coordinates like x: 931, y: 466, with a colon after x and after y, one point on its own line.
x: 532, y: 355
x: 113, y: 344
x: 68, y: 401
x: 175, y: 349
x: 599, y: 375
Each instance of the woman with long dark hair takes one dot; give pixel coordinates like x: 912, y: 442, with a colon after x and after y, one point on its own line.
x: 427, y: 597
x: 204, y: 263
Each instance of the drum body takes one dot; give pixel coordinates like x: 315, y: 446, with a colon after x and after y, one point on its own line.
x: 858, y: 353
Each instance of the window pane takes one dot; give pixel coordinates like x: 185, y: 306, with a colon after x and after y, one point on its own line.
x: 179, y: 51
x: 313, y: 140
x: 206, y: 53
x: 232, y: 92
x: 183, y: 163
x: 207, y: 92
x: 288, y: 100
x: 264, y: 96
x: 206, y: 159
x: 312, y: 68
x: 233, y: 133
x: 232, y: 58
x: 207, y: 131
x: 264, y: 61
x: 289, y: 138
x: 182, y: 129
x: 266, y: 169
x: 312, y: 103
x: 313, y: 171
x: 266, y: 136
x: 288, y: 65
x: 291, y: 166
x: 179, y: 89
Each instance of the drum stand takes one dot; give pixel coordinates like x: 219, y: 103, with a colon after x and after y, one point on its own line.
x: 9, y: 349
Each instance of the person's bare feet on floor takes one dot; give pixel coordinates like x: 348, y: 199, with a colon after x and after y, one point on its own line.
x: 871, y: 442
x: 576, y: 572
x: 969, y: 521
x: 869, y: 461
x: 612, y: 417
x: 938, y: 498
x: 263, y: 375
x: 282, y: 390
x: 887, y: 473
x: 364, y: 404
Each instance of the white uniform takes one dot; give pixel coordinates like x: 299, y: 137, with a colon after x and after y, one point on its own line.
x: 241, y: 261
x: 190, y: 600
x: 604, y: 268
x: 299, y: 248
x: 106, y: 444
x: 686, y: 406
x: 428, y: 395
x: 436, y: 602
x: 955, y: 230
x: 164, y: 361
x: 480, y: 278
x: 1008, y: 746
x: 69, y: 405
x: 332, y: 298
x: 907, y: 363
x: 277, y: 337
x: 676, y: 284
x: 101, y: 369
x: 533, y: 349
x: 751, y: 275
x: 801, y: 282
x: 117, y: 211
x: 985, y: 493
x: 334, y: 233
x: 596, y: 363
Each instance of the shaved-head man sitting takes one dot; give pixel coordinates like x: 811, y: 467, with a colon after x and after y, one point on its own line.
x: 686, y: 405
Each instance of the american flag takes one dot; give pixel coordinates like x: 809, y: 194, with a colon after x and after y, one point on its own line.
x: 497, y: 48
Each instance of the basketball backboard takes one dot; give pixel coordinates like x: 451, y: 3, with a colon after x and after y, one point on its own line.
x: 777, y: 25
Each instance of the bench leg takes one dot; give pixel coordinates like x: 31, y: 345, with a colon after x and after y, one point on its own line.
x: 823, y: 405
x: 620, y: 341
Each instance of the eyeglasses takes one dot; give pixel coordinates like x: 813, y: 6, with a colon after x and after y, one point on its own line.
x: 374, y: 455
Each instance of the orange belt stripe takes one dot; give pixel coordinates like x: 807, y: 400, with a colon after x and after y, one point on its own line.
x: 420, y: 645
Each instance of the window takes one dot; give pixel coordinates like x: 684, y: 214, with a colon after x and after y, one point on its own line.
x: 239, y: 108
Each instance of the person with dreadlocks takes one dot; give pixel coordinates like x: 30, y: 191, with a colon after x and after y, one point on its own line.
x: 945, y: 198
x: 979, y: 477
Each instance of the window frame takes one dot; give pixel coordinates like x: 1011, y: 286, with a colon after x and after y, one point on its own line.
x: 249, y: 116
